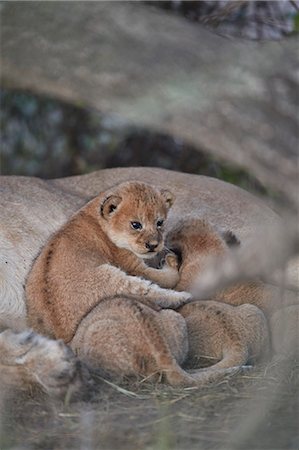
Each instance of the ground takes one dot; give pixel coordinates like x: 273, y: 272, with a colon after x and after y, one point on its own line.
x: 256, y: 411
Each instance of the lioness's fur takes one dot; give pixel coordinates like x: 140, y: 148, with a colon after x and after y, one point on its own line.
x: 98, y: 254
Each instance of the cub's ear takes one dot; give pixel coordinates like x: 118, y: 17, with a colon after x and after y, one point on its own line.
x: 109, y: 205
x: 168, y: 197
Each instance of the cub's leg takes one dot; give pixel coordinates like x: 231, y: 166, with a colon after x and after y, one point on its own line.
x: 28, y: 359
x: 138, y: 287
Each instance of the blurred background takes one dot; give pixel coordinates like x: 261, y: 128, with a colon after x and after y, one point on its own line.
x: 47, y: 138
x: 45, y: 135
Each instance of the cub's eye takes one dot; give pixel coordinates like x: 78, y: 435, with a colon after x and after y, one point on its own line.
x: 136, y: 225
x: 160, y: 223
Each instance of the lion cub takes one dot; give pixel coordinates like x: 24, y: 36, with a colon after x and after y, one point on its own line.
x: 218, y: 333
x: 100, y: 254
x: 233, y: 328
x: 197, y: 242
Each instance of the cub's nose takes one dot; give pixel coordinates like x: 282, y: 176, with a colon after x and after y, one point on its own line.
x: 151, y: 246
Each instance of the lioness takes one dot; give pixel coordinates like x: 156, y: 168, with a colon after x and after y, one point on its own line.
x: 100, y: 254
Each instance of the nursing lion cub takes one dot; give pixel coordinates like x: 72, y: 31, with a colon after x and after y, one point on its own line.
x: 100, y: 254
x: 233, y: 327
x: 197, y: 242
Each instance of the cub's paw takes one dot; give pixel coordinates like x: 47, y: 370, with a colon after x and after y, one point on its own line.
x: 171, y: 260
x: 175, y: 299
x: 170, y: 271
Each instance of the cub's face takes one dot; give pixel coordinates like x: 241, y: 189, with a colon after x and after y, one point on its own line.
x: 133, y: 216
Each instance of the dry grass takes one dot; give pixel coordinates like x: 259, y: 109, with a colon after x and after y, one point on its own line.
x: 255, y: 411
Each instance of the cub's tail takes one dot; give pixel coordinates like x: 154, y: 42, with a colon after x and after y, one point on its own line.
x: 168, y: 367
x: 202, y: 377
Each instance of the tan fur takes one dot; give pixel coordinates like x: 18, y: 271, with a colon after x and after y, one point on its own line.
x: 198, y: 242
x: 224, y: 335
x: 98, y: 255
x: 28, y: 360
x: 126, y: 338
